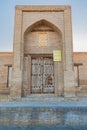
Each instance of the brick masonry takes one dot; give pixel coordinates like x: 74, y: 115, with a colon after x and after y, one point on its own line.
x: 58, y: 18
x: 81, y: 57
x: 29, y: 20
x: 78, y: 57
x: 5, y: 62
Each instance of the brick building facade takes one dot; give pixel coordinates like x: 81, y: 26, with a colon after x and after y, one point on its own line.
x: 31, y: 68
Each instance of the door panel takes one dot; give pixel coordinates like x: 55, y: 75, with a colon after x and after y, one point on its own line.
x: 48, y: 75
x: 42, y: 75
x: 36, y: 75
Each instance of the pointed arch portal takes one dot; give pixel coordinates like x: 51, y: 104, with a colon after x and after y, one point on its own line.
x: 39, y: 31
x: 40, y: 39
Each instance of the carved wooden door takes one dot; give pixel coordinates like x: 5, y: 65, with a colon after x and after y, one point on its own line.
x: 42, y: 79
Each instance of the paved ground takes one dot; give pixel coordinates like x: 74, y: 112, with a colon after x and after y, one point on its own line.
x: 81, y: 102
x: 46, y: 128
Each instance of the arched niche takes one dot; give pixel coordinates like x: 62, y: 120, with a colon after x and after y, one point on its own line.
x: 42, y: 36
x: 42, y: 22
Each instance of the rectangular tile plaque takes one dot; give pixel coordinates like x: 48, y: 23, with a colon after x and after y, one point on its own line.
x: 57, y: 55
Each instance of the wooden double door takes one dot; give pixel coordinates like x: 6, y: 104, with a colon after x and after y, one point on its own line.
x: 42, y: 75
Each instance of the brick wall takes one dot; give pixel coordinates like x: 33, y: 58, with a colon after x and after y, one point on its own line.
x: 78, y: 57
x: 5, y: 61
x: 81, y: 57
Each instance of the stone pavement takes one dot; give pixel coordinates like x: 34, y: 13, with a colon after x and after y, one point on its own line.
x: 81, y: 102
x: 68, y: 112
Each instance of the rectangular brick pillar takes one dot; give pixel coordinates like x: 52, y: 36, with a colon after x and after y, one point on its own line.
x: 15, y: 90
